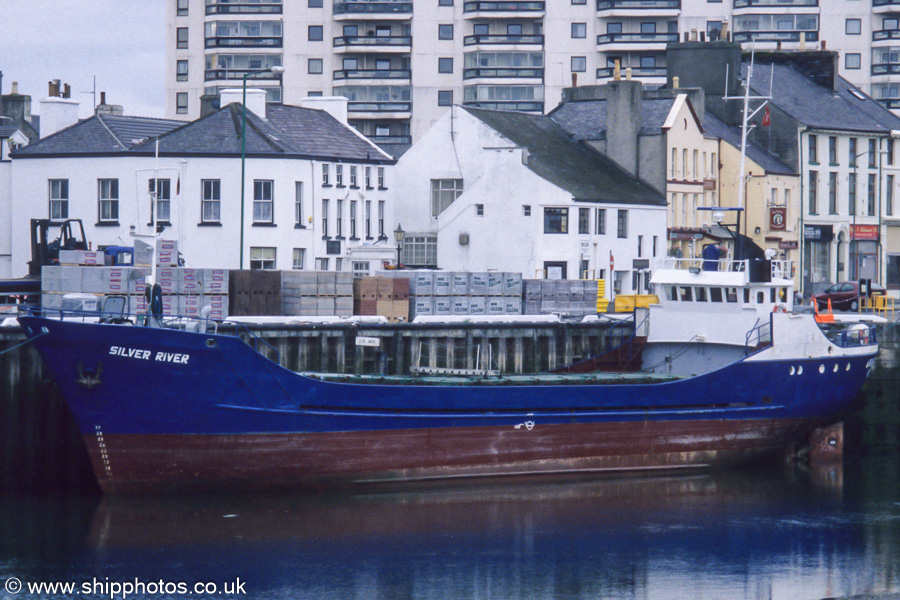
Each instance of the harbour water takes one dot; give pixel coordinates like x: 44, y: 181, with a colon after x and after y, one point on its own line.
x: 781, y: 533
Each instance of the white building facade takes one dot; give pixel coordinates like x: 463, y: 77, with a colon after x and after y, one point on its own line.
x: 514, y: 55
x: 482, y: 188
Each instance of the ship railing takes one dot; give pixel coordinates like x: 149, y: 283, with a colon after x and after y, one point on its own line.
x: 779, y: 269
x: 759, y: 335
x: 854, y: 336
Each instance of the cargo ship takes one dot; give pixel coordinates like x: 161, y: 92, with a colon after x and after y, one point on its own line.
x: 720, y: 372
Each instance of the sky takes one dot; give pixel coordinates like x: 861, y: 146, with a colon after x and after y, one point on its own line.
x: 120, y: 42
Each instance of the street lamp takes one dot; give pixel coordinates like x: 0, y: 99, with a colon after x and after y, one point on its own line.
x: 276, y: 70
x: 399, y: 234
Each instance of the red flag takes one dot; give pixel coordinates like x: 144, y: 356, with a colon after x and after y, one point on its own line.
x: 767, y: 120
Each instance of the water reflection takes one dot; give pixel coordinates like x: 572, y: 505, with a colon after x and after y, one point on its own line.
x: 734, y: 535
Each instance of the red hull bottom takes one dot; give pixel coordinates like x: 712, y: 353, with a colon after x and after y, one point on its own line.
x: 137, y: 463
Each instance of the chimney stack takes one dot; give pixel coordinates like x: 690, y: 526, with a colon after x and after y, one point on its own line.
x: 623, y: 122
x: 57, y: 111
x: 256, y: 99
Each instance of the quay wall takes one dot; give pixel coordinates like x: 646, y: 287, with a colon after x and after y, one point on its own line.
x: 40, y: 449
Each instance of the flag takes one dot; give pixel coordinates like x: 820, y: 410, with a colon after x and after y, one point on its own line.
x: 767, y: 120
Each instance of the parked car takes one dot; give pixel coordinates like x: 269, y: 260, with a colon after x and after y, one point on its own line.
x: 844, y: 295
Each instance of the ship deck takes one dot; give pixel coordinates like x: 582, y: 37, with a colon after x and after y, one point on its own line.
x: 538, y: 379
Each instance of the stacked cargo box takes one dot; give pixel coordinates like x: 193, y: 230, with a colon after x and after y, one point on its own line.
x: 548, y: 296
x: 316, y: 293
x: 461, y: 293
x: 383, y: 296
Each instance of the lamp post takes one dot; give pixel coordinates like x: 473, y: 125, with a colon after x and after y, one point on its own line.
x: 399, y: 234
x: 275, y: 70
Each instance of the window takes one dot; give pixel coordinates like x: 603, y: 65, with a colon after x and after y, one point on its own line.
x: 361, y: 268
x: 381, y: 185
x: 579, y: 30
x: 622, y: 223
x: 181, y: 70
x: 640, y: 246
x: 339, y: 218
x: 813, y: 182
x: 325, y: 176
x: 419, y: 250
x: 556, y: 220
x: 579, y: 64
x: 480, y: 29
x: 889, y: 196
x: 324, y: 217
x: 584, y: 220
x: 853, y: 26
x: 108, y: 198
x: 812, y: 155
x: 445, y: 2
x: 262, y: 257
x: 872, y: 188
x: 160, y: 193
x: 381, y: 219
x: 600, y: 224
x: 353, y: 181
x: 579, y: 2
x: 321, y: 264
x: 514, y: 29
x: 445, y: 65
x: 873, y: 154
x: 339, y: 175
x: 648, y: 62
x: 181, y: 8
x: 890, y: 151
x: 832, y: 193
x: 299, y: 260
x: 298, y: 204
x: 832, y: 150
x: 210, y: 201
x: 713, y: 30
x: 852, y: 61
x: 614, y: 27
x: 526, y: 210
x: 851, y: 155
x: 315, y: 33
x: 368, y: 219
x: 314, y: 66
x: 479, y: 210
x: 181, y: 38
x: 353, y: 220
x: 263, y: 201
x: 851, y: 194
x: 445, y: 32
x: 368, y: 178
x: 315, y: 4
x: 181, y: 103
x: 648, y: 28
x: 445, y: 97
x: 443, y: 193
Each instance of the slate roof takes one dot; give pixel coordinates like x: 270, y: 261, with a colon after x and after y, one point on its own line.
x: 714, y: 127
x: 7, y: 130
x: 818, y: 106
x: 565, y: 162
x: 288, y: 131
x: 99, y: 134
x: 586, y: 119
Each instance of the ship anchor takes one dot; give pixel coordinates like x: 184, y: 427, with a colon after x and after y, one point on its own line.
x: 91, y: 378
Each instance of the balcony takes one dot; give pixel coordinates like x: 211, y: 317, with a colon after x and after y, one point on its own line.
x: 885, y: 69
x: 889, y: 103
x: 885, y: 6
x: 373, y: 43
x: 489, y: 6
x: 379, y: 107
x: 503, y: 40
x: 636, y: 38
x: 363, y: 7
x: 775, y: 3
x: 244, y: 42
x: 391, y: 140
x: 885, y: 34
x: 245, y: 8
x: 220, y: 74
x: 774, y: 36
x: 372, y: 74
x: 521, y: 106
x: 503, y: 72
x: 636, y: 72
x: 640, y: 5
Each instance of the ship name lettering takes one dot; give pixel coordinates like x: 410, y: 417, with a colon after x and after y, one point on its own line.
x: 172, y: 357
x: 129, y: 352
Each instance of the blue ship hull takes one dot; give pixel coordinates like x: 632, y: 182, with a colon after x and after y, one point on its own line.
x: 161, y: 408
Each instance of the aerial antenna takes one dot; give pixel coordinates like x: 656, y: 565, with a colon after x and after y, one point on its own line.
x: 94, y: 93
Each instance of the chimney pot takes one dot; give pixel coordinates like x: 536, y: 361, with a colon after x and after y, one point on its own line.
x: 675, y: 82
x: 574, y: 80
x: 617, y: 70
x: 628, y: 74
x: 823, y: 44
x: 67, y: 91
x: 102, y: 98
x: 693, y: 35
x: 15, y: 88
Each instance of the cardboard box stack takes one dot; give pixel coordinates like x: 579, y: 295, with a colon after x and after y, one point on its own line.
x: 548, y: 296
x: 316, y: 293
x: 254, y: 293
x: 462, y: 293
x: 384, y: 296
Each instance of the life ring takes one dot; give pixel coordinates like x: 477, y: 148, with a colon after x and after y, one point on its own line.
x: 779, y: 308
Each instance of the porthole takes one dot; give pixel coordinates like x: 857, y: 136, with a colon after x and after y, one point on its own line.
x: 848, y: 366
x: 800, y: 370
x: 821, y: 368
x: 793, y: 370
x: 835, y: 368
x: 210, y: 343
